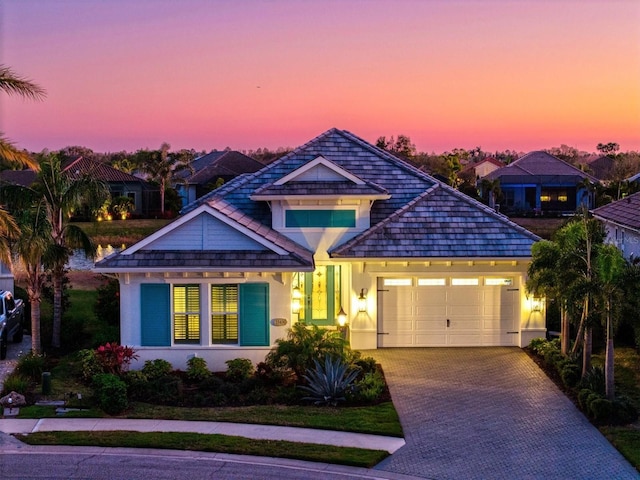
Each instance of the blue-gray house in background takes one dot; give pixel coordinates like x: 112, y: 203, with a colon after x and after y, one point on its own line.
x: 540, y: 182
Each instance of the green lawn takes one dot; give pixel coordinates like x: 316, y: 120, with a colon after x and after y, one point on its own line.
x: 356, y: 457
x: 118, y: 232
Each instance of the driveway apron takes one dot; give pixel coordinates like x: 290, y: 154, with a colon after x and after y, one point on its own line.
x: 489, y: 413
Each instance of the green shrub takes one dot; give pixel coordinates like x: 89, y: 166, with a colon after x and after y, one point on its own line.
x: 16, y: 382
x: 210, y: 384
x: 304, y: 345
x: 590, y: 399
x: 239, y: 369
x: 583, y: 396
x: 88, y: 365
x: 570, y: 375
x: 594, y: 380
x: 154, y: 369
x: 165, y: 390
x: 31, y: 366
x: 369, y: 388
x: 552, y: 357
x: 110, y: 393
x: 275, y: 375
x: 624, y: 411
x: 73, y: 335
x: 197, y: 369
x: 107, y: 307
x: 115, y: 358
x: 601, y: 409
x: 538, y: 345
x: 365, y: 365
x: 328, y: 384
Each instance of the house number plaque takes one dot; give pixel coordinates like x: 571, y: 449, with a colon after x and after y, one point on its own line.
x: 278, y: 322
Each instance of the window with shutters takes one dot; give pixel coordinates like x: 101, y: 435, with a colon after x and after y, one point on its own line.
x: 186, y: 313
x: 224, y: 314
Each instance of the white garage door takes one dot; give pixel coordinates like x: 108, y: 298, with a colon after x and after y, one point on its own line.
x: 448, y: 311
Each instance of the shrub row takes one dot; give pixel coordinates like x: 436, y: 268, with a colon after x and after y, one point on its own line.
x: 590, y: 387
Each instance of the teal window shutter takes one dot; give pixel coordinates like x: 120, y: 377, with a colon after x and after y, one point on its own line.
x: 155, y: 315
x: 254, y: 314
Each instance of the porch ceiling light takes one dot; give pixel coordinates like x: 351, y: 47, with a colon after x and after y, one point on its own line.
x: 295, y: 300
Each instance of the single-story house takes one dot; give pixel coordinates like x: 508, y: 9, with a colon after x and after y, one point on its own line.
x: 121, y: 184
x: 336, y: 230
x: 210, y: 169
x: 621, y: 220
x: 541, y: 182
x: 483, y: 168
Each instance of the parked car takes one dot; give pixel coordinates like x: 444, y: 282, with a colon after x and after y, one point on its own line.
x: 11, y: 321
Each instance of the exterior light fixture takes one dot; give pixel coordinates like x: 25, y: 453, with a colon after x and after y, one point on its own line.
x: 296, y: 296
x: 362, y: 301
x: 536, y: 304
x: 342, y: 317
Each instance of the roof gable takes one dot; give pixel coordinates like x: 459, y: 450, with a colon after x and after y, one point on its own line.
x: 624, y: 212
x: 319, y: 170
x: 540, y: 164
x: 101, y: 171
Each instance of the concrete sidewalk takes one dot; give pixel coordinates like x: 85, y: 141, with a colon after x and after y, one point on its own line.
x: 257, y: 432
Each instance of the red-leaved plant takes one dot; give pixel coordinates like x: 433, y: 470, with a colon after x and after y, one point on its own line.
x: 115, y: 358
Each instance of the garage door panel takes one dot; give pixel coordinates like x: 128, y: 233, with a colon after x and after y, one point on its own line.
x: 416, y: 314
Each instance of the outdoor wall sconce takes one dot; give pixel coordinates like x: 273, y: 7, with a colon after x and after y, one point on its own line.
x: 362, y: 301
x: 342, y: 317
x: 536, y: 304
x: 295, y: 300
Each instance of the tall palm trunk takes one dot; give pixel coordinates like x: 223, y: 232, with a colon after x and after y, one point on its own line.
x: 34, y: 292
x: 609, y: 357
x: 57, y: 279
x: 564, y: 330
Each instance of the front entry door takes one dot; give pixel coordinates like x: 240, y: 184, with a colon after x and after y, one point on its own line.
x: 321, y: 291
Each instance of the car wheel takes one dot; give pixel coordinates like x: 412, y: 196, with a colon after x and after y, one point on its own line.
x: 3, y: 347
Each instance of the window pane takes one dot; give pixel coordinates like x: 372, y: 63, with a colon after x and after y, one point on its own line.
x: 186, y: 313
x: 320, y: 218
x: 224, y: 314
x: 397, y: 282
x: 464, y: 281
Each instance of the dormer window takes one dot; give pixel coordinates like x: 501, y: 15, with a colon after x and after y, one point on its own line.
x: 320, y: 218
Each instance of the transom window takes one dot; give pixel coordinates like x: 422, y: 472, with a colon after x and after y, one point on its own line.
x: 320, y: 218
x: 186, y: 313
x: 224, y: 314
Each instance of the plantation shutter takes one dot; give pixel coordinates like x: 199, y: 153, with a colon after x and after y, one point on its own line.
x: 254, y: 314
x: 155, y: 315
x: 186, y: 313
x: 224, y: 313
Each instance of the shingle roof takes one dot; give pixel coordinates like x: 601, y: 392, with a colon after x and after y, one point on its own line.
x: 625, y: 212
x: 441, y: 222
x: 99, y: 170
x: 18, y: 177
x: 539, y: 167
x: 321, y: 188
x: 403, y: 181
x: 241, y: 260
x: 221, y: 164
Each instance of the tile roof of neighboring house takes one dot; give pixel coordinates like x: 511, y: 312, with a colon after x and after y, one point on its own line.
x: 634, y: 178
x: 227, y: 163
x: 539, y: 167
x: 602, y: 167
x: 624, y: 212
x: 101, y: 171
x: 18, y: 177
x: 441, y: 222
x: 491, y: 160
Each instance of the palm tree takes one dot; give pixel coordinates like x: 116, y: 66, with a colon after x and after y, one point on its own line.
x: 61, y: 196
x: 13, y: 84
x: 31, y: 247
x: 163, y: 167
x: 610, y: 267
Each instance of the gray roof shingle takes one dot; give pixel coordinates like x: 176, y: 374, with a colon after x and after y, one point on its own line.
x: 625, y: 212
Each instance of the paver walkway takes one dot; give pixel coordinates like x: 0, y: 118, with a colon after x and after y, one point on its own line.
x: 490, y: 413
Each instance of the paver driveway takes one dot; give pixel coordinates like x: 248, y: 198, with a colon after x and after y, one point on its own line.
x: 489, y: 413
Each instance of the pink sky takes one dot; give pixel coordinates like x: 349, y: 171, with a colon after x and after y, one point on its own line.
x: 519, y: 74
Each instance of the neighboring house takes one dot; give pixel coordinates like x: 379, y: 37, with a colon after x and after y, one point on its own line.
x: 120, y: 184
x: 634, y: 178
x: 336, y: 227
x: 483, y: 167
x: 540, y: 182
x: 603, y: 168
x: 621, y: 220
x: 212, y: 168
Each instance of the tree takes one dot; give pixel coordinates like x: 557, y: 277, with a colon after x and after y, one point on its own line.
x: 608, y: 148
x: 32, y: 247
x: 13, y: 84
x: 491, y: 191
x: 163, y: 167
x: 59, y: 195
x: 402, y: 146
x: 610, y: 268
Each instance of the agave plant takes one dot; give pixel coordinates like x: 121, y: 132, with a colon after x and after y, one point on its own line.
x: 328, y: 383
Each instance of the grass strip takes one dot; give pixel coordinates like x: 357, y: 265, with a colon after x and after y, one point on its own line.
x: 627, y: 441
x: 355, y: 457
x: 379, y: 419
